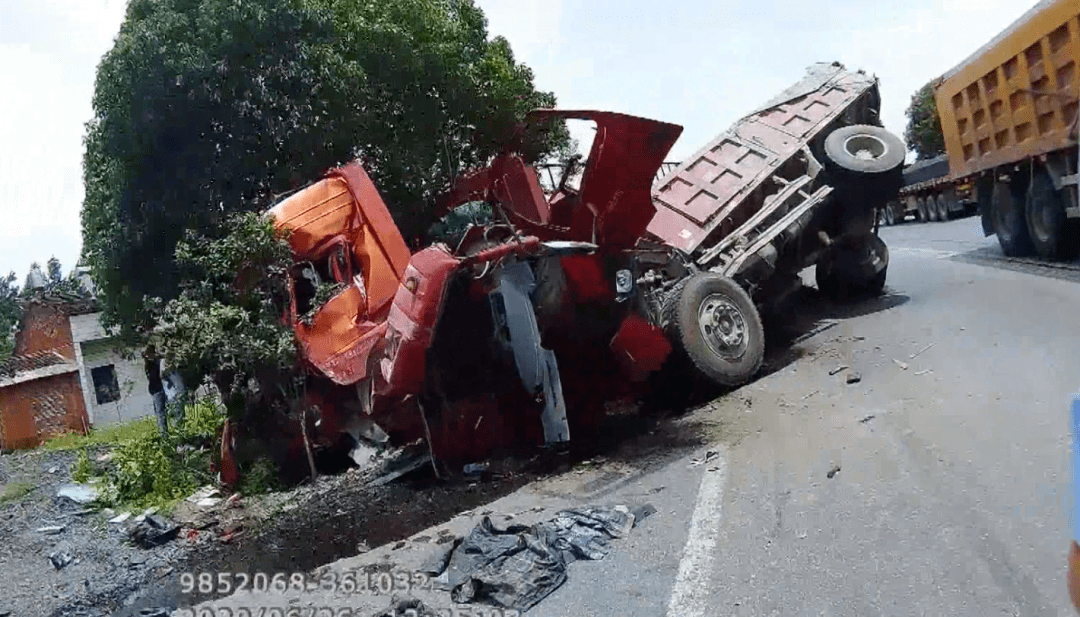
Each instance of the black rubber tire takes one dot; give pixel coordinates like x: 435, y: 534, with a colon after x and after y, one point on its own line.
x: 886, y: 151
x: 837, y: 286
x: 942, y: 208
x: 686, y: 332
x: 920, y: 210
x: 1009, y: 224
x: 1054, y: 236
x: 890, y: 215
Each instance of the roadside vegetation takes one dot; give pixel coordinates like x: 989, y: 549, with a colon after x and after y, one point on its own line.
x: 140, y: 469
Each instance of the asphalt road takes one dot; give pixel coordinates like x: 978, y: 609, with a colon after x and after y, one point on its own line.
x: 935, y: 489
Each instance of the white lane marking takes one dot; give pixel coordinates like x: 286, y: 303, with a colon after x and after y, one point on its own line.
x: 935, y: 253
x: 690, y: 595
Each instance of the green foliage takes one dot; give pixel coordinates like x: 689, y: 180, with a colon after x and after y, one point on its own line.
x: 206, y: 108
x: 203, y: 421
x: 14, y: 491
x: 450, y: 227
x: 9, y: 314
x: 83, y: 468
x: 105, y: 436
x: 260, y: 477
x: 147, y: 469
x: 227, y: 322
x: 54, y: 280
x: 923, y: 133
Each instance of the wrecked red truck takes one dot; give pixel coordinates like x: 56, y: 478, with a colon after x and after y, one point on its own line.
x: 525, y: 328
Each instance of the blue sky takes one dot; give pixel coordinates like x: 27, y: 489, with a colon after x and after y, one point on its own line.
x: 698, y: 63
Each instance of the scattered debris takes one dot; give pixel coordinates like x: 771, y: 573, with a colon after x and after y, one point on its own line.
x: 859, y: 338
x: 154, y: 531
x: 518, y: 566
x: 475, y: 469
x: 916, y: 354
x: 902, y: 365
x: 120, y: 518
x: 50, y: 530
x: 60, y: 559
x: 867, y: 418
x: 709, y: 457
x: 233, y: 501
x: 854, y: 377
x: 79, y: 493
x: 402, y: 466
x: 923, y: 372
x: 362, y: 547
x: 832, y: 472
x: 154, y: 612
x: 837, y: 370
x: 105, y: 458
x: 54, y: 469
x: 201, y: 495
x: 362, y: 454
x: 809, y: 395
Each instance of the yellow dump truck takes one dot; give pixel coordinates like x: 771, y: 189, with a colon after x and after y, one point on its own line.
x: 1009, y: 117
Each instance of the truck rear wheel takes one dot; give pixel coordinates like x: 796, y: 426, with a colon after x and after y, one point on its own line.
x: 848, y: 272
x: 942, y: 208
x: 1053, y: 234
x: 920, y: 210
x: 1009, y: 223
x: 890, y: 215
x: 716, y: 323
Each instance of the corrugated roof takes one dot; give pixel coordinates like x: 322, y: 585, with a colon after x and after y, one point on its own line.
x: 31, y: 362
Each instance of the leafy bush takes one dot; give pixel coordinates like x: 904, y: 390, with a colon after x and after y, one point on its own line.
x: 261, y: 477
x: 83, y: 469
x: 151, y: 470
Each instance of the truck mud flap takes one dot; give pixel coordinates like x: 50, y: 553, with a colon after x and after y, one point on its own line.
x: 516, y: 329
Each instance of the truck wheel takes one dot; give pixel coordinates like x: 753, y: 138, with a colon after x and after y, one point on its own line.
x: 921, y: 211
x: 848, y: 272
x: 1009, y: 223
x: 1054, y: 235
x: 890, y: 215
x: 942, y: 208
x: 719, y: 328
x: 864, y: 150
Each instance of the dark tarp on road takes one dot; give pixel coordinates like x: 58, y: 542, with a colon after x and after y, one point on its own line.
x: 517, y: 566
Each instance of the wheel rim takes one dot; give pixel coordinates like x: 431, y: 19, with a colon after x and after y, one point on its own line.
x: 723, y: 326
x: 865, y: 147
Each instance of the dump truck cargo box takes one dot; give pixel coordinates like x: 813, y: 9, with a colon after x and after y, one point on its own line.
x: 1016, y: 97
x: 711, y: 193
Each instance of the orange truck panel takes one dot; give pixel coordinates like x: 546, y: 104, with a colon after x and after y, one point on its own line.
x: 345, y: 208
x: 346, y: 204
x: 1017, y: 96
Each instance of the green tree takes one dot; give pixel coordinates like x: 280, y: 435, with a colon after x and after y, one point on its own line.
x: 9, y: 314
x: 225, y: 325
x: 923, y: 133
x: 204, y: 108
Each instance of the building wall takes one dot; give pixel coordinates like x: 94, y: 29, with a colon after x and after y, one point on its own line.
x: 135, y: 401
x: 45, y: 327
x: 34, y: 410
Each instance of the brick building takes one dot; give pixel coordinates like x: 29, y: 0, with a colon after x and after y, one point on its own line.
x: 66, y: 374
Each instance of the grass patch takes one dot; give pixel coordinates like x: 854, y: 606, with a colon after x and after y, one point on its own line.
x: 105, y: 436
x: 16, y: 491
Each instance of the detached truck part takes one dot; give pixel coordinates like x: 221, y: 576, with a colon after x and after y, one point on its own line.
x: 1009, y: 117
x: 797, y: 183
